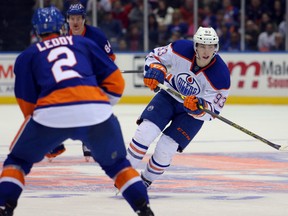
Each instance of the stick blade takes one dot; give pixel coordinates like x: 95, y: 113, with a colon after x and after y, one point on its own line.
x: 284, y: 148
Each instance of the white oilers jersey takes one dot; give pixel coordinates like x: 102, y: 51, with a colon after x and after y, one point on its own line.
x: 211, y: 83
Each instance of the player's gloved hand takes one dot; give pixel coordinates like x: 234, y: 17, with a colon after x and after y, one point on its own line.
x: 192, y: 103
x: 154, y: 75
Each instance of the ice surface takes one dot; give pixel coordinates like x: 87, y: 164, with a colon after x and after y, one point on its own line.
x: 223, y: 171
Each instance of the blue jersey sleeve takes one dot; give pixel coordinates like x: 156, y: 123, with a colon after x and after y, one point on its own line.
x: 98, y: 36
x: 102, y: 66
x: 27, y: 90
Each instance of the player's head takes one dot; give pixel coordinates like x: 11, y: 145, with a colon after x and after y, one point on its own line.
x: 47, y: 20
x: 206, y: 37
x: 76, y: 18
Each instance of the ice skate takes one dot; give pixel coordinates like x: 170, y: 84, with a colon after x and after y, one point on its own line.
x: 55, y: 152
x: 86, y: 152
x: 145, y: 211
x: 146, y: 182
x: 7, y: 210
x: 117, y: 191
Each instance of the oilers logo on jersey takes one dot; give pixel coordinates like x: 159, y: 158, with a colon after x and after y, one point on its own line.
x: 187, y: 84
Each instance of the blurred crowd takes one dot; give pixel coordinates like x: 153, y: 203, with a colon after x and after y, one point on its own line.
x: 169, y: 20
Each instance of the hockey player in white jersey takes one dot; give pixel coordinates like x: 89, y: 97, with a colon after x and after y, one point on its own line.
x: 196, y: 71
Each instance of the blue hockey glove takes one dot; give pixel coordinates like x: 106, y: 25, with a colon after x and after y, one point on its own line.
x: 154, y: 75
x: 191, y: 105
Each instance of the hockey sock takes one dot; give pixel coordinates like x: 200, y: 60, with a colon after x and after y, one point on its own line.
x: 136, y: 195
x: 11, y: 184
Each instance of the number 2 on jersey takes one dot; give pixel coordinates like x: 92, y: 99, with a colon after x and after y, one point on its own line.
x: 70, y: 61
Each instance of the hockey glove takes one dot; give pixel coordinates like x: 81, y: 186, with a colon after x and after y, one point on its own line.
x: 191, y: 105
x: 154, y: 75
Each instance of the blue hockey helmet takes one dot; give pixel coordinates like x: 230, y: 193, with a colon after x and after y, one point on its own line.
x: 76, y: 9
x: 47, y: 20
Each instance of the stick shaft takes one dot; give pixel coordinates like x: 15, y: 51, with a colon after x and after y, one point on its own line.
x: 250, y: 133
x: 182, y: 97
x: 131, y: 71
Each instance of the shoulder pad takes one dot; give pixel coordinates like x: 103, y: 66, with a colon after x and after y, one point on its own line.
x: 218, y: 74
x: 184, y: 48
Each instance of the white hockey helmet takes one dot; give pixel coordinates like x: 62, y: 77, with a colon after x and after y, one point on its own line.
x: 206, y: 35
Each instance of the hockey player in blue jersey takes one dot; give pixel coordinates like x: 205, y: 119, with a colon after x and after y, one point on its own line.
x: 196, y: 71
x: 65, y: 87
x: 76, y: 16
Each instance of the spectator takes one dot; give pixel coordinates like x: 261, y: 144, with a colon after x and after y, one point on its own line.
x: 120, y: 12
x: 279, y: 42
x: 191, y: 27
x: 136, y: 14
x: 209, y: 18
x: 162, y: 35
x: 163, y: 13
x: 265, y: 19
x: 231, y: 16
x: 112, y: 28
x: 278, y: 12
x: 254, y: 10
x: 219, y: 21
x: 234, y: 44
x: 224, y: 38
x: 266, y: 39
x: 102, y: 7
x: 174, y: 4
x: 282, y: 27
x: 178, y: 24
x: 153, y: 4
x: 135, y: 38
x: 174, y: 37
x: 251, y: 36
x: 153, y: 31
x: 214, y: 5
x: 126, y: 2
x: 122, y: 45
x: 187, y: 9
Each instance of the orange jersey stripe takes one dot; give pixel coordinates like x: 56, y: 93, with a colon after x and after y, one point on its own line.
x: 19, y: 132
x: 26, y: 107
x: 114, y: 83
x: 124, y: 176
x: 169, y: 76
x: 73, y: 94
x: 13, y: 172
x: 159, y: 67
x: 112, y: 56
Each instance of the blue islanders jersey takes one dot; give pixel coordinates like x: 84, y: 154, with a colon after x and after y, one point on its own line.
x: 67, y: 81
x: 97, y: 35
x: 211, y: 83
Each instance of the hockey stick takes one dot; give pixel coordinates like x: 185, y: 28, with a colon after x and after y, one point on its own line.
x: 131, y: 71
x: 182, y: 97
